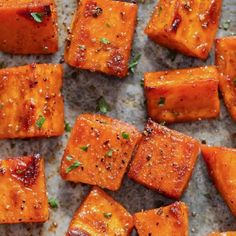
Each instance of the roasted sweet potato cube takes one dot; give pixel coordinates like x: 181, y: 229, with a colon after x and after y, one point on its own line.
x: 221, y: 163
x: 23, y: 190
x: 98, y: 151
x: 28, y: 27
x: 31, y: 104
x: 101, y: 36
x: 164, y: 160
x: 99, y: 214
x: 226, y: 63
x: 186, y: 26
x: 170, y: 220
x: 222, y: 234
x: 182, y: 95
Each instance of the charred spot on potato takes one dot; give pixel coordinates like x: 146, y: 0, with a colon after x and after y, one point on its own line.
x: 92, y: 9
x: 116, y: 63
x: 77, y: 232
x: 176, y: 23
x: 27, y: 118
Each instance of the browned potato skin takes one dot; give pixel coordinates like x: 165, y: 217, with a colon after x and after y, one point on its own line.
x: 186, y: 26
x: 26, y: 36
x: 226, y: 63
x: 101, y: 134
x: 170, y: 220
x: 26, y: 93
x: 153, y: 164
x: 190, y: 94
x: 115, y: 22
x: 23, y: 190
x: 222, y: 234
x: 90, y: 219
x: 221, y: 163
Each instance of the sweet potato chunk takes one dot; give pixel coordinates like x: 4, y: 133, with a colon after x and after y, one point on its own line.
x: 99, y: 151
x: 31, y: 104
x: 221, y: 163
x: 101, y: 36
x: 226, y: 63
x: 186, y: 26
x: 99, y: 214
x: 164, y: 160
x: 182, y: 95
x: 170, y: 220
x: 23, y: 190
x: 28, y: 27
x: 222, y: 234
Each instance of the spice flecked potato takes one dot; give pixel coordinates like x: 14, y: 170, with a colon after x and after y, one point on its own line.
x: 164, y: 160
x: 221, y: 163
x: 23, y: 190
x: 32, y: 24
x: 98, y: 215
x: 101, y: 36
x: 99, y: 151
x: 31, y: 104
x: 186, y: 26
x: 222, y: 234
x: 226, y: 64
x: 182, y: 95
x: 171, y: 220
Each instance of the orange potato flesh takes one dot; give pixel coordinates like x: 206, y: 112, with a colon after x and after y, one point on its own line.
x: 27, y: 36
x: 30, y: 95
x: 182, y: 95
x: 97, y: 143
x: 164, y: 160
x: 170, y: 220
x: 98, y: 215
x: 23, y: 190
x: 186, y: 26
x: 101, y: 36
x: 226, y: 63
x: 221, y: 163
x: 222, y: 234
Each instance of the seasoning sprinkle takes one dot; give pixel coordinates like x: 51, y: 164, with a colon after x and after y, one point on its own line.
x: 161, y: 101
x: 75, y: 165
x: 133, y: 64
x: 85, y: 148
x: 39, y: 123
x: 103, y: 106
x: 125, y: 135
x: 107, y: 215
x: 53, y: 203
x: 38, y: 17
x: 104, y: 40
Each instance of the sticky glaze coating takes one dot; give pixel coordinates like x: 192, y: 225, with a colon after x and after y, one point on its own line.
x: 226, y: 63
x: 98, y: 144
x: 27, y: 35
x: 101, y: 36
x: 22, y: 190
x: 31, y: 104
x: 164, y: 160
x: 187, y: 26
x: 221, y: 163
x: 99, y: 214
x: 170, y: 220
x: 182, y: 95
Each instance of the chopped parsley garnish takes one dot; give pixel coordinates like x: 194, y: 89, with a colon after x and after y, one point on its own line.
x: 161, y: 101
x: 103, y: 106
x: 38, y: 17
x: 110, y: 152
x: 125, y: 135
x: 53, y: 202
x: 133, y: 64
x: 69, y: 158
x: 85, y: 148
x: 107, y: 215
x: 75, y: 165
x: 67, y: 127
x: 39, y: 123
x: 104, y: 40
x: 226, y: 24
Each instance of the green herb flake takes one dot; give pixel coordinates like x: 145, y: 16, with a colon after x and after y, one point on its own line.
x: 39, y: 123
x: 125, y: 135
x: 133, y: 64
x: 104, y: 40
x: 109, y: 153
x: 75, y: 165
x: 38, y: 17
x: 85, y: 148
x: 53, y: 203
x: 161, y: 101
x: 226, y: 24
x: 67, y: 127
x: 103, y: 106
x: 107, y: 215
x: 69, y: 158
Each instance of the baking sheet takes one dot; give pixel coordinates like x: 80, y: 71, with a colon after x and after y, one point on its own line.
x: 81, y: 90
